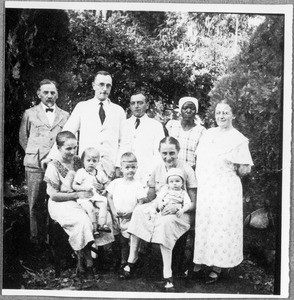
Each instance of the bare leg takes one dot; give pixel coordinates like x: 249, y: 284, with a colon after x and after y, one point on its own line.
x: 134, y: 247
x: 167, y: 261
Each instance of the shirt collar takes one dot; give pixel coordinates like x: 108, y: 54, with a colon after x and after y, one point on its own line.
x: 44, y: 107
x: 141, y: 118
x: 105, y: 102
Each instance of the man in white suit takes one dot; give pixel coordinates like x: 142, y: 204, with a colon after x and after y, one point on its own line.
x: 101, y: 124
x: 39, y: 126
x: 144, y: 134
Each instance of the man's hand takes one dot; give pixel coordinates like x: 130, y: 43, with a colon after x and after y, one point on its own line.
x: 44, y: 162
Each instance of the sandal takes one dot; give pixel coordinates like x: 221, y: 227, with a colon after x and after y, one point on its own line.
x: 103, y: 228
x: 213, y: 277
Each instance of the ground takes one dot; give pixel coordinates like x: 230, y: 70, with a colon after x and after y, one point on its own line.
x: 26, y: 268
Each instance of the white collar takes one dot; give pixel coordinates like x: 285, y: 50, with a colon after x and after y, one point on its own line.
x: 105, y: 102
x: 141, y: 118
x: 44, y: 107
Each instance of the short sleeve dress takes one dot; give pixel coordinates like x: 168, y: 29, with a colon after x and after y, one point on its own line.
x: 219, y: 210
x: 69, y: 214
x: 164, y: 230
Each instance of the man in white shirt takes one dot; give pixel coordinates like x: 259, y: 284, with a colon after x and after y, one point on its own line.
x: 39, y: 127
x: 101, y: 124
x: 145, y: 134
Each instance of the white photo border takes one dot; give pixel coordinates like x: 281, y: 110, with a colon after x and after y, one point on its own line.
x: 284, y: 9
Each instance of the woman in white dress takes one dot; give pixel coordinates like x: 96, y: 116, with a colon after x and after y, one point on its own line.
x: 222, y: 158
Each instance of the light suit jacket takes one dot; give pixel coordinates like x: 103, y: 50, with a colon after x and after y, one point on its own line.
x: 109, y: 138
x: 36, y: 136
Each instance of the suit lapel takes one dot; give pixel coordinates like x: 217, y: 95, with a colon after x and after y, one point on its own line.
x: 41, y: 115
x: 58, y: 116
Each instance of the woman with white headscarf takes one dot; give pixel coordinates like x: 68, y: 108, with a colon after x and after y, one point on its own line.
x: 187, y: 130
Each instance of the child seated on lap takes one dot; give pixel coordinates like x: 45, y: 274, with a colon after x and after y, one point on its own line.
x: 91, y: 178
x: 123, y: 196
x: 172, y: 193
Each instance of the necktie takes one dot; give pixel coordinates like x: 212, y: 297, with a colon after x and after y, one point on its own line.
x: 101, y: 113
x: 137, y: 123
x: 49, y: 109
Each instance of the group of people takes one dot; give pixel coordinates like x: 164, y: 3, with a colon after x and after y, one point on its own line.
x: 125, y: 181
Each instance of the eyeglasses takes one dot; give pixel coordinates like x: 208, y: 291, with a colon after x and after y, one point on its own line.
x: 102, y: 85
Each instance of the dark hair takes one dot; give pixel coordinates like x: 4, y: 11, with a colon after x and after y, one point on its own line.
x: 47, y: 81
x: 128, y: 157
x: 231, y: 103
x: 63, y: 136
x: 140, y: 93
x: 104, y: 73
x: 170, y: 140
x: 87, y: 150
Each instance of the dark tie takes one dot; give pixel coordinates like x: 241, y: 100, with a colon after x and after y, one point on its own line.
x: 101, y: 113
x: 137, y: 123
x: 49, y: 109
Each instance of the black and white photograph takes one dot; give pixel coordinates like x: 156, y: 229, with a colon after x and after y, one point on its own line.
x: 147, y: 149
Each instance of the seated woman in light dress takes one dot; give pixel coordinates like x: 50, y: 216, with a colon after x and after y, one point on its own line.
x: 62, y: 205
x: 167, y: 227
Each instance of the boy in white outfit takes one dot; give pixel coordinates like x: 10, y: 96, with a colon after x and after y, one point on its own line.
x: 91, y: 178
x: 123, y: 196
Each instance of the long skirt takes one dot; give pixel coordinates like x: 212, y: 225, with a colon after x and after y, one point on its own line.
x: 164, y: 230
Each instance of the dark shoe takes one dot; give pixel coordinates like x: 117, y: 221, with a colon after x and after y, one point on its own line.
x: 169, y: 285
x: 196, y: 276
x: 103, y: 228
x: 212, y: 277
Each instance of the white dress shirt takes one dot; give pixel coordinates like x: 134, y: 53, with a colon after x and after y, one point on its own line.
x: 144, y: 144
x: 109, y: 138
x: 50, y: 115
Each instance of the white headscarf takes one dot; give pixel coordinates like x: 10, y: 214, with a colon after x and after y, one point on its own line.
x: 183, y: 100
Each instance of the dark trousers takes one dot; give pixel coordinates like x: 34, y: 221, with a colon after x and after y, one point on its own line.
x: 37, y: 204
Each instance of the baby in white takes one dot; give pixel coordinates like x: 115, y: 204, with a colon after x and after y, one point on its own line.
x: 91, y: 178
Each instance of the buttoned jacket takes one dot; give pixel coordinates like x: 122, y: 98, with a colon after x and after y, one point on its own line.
x: 109, y: 138
x: 36, y: 136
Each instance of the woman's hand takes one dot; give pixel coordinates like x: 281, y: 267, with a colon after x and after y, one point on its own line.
x: 124, y: 215
x: 179, y: 213
x: 98, y: 186
x: 161, y: 205
x: 85, y: 194
x: 169, y: 210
